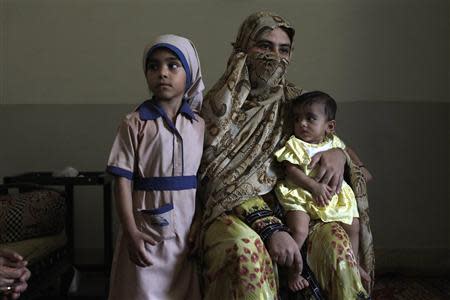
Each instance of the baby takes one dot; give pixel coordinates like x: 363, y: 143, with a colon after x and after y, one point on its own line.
x: 302, y: 197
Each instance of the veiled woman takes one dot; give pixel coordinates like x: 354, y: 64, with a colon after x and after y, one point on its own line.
x: 247, y: 120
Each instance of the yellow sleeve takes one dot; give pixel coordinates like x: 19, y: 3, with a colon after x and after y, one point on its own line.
x: 292, y: 152
x: 337, y: 142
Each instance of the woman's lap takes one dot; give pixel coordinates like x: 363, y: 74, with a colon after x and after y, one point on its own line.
x: 237, y: 265
x: 331, y: 259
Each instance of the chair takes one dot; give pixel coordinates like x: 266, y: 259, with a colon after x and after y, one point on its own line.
x: 32, y: 223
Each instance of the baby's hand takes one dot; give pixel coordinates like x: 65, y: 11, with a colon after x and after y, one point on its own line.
x: 136, y: 248
x: 322, y: 194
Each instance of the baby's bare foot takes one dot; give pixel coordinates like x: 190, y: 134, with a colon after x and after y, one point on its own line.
x: 297, y: 282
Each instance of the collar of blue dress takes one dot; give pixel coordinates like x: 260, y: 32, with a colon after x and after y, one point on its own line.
x: 150, y: 110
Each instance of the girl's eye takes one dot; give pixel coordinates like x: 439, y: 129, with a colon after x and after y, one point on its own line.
x: 174, y: 66
x: 152, y: 67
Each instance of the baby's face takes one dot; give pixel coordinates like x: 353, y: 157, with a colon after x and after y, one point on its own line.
x: 311, y: 123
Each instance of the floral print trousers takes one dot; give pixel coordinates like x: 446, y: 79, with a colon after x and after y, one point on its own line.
x: 238, y: 266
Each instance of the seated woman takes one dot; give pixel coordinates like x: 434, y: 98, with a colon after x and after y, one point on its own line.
x: 245, y: 114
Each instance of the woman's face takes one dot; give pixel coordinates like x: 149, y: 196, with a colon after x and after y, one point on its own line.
x: 275, y: 41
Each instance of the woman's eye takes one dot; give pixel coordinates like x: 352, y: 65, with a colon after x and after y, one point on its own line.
x: 174, y: 66
x: 264, y: 46
x: 284, y: 50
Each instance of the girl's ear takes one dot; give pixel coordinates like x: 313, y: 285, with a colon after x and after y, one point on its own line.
x: 331, y: 127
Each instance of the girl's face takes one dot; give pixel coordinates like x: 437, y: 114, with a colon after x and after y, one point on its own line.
x: 166, y: 77
x: 311, y: 123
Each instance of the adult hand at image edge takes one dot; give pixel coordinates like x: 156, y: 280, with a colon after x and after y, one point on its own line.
x: 284, y: 250
x: 13, y: 273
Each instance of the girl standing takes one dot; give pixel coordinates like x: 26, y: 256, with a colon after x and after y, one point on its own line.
x: 155, y: 158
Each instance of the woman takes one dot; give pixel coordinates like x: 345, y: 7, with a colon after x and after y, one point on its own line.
x: 245, y: 115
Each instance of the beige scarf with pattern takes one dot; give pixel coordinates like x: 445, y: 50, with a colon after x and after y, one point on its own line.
x: 246, y: 115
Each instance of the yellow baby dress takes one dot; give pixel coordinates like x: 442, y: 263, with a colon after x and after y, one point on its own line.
x: 341, y: 208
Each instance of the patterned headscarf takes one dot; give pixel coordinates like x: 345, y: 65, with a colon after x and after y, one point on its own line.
x: 186, y: 52
x: 243, y: 128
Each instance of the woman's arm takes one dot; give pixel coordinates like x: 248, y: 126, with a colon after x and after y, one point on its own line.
x: 135, y: 239
x: 321, y: 193
x: 282, y: 248
x: 356, y: 160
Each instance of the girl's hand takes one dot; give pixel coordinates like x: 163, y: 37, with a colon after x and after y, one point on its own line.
x: 330, y: 166
x: 322, y: 194
x: 136, y: 248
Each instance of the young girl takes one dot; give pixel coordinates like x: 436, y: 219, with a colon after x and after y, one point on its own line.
x: 155, y: 158
x: 305, y: 198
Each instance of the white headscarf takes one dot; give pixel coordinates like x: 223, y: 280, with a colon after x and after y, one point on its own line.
x: 186, y: 52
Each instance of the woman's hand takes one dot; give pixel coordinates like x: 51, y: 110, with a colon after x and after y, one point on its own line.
x: 13, y: 274
x: 284, y: 250
x: 137, y: 251
x: 330, y: 166
x: 322, y: 194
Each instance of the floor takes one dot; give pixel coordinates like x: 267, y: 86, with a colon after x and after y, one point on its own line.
x: 91, y: 285
x: 398, y: 287
x: 390, y: 286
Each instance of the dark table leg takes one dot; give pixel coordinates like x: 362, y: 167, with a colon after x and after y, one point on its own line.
x: 69, y: 221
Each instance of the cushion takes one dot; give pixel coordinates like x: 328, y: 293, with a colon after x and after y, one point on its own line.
x: 34, y: 249
x: 31, y: 214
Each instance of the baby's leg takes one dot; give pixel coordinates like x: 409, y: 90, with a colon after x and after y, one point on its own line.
x: 298, y: 223
x: 353, y: 234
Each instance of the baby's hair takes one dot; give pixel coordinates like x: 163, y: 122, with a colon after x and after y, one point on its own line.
x: 318, y: 97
